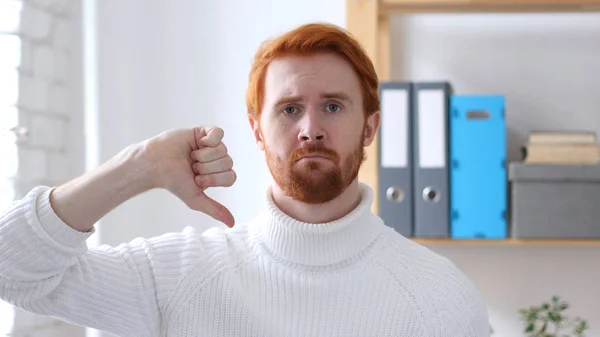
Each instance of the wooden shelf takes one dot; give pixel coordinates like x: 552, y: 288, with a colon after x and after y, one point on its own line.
x: 510, y: 242
x: 368, y: 21
x: 493, y: 6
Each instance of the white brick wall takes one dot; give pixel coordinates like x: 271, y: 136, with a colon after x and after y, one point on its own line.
x: 44, y: 92
x: 33, y: 93
x: 27, y: 325
x: 58, y: 100
x: 46, y: 109
x: 43, y: 62
x: 62, y: 34
x: 36, y: 23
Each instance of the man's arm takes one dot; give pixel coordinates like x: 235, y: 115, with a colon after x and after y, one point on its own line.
x: 46, y: 267
x: 81, y: 202
x: 181, y: 161
x: 462, y: 306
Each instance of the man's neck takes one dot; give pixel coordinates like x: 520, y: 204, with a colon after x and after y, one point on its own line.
x: 318, y: 213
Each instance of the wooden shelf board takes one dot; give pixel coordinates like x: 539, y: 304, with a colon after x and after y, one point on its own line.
x: 508, y: 242
x: 482, y: 6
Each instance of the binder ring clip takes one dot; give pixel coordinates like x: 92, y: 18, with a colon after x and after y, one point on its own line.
x: 395, y: 194
x: 431, y: 194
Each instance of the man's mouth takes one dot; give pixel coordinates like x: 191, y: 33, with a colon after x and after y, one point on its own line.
x: 314, y: 155
x: 317, y: 157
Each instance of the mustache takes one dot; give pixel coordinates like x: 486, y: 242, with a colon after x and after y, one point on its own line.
x: 314, y: 150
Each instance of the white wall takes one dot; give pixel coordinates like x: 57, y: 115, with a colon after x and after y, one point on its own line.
x: 49, y: 106
x: 548, y: 67
x: 50, y: 96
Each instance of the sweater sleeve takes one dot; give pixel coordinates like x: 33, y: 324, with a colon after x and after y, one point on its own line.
x: 449, y: 301
x: 475, y: 321
x: 46, y: 268
x: 461, y: 305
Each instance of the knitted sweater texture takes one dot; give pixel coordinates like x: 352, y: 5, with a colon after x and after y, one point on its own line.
x: 271, y: 277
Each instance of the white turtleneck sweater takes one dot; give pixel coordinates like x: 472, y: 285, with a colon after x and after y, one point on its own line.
x: 272, y: 277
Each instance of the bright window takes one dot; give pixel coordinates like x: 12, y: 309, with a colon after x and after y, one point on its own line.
x: 10, y: 59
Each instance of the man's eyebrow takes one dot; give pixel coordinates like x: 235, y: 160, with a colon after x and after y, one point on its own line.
x: 288, y: 99
x: 337, y: 95
x: 330, y: 95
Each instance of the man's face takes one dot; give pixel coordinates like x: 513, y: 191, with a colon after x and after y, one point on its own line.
x: 312, y: 126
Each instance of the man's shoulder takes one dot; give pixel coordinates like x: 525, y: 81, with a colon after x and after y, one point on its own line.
x: 420, y: 266
x: 403, y: 252
x: 437, y: 284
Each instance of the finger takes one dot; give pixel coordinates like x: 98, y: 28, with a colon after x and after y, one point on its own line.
x: 207, y: 154
x: 209, y: 206
x: 224, y: 179
x: 216, y: 166
x: 209, y: 136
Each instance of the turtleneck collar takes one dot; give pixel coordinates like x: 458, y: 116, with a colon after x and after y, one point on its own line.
x: 319, y: 244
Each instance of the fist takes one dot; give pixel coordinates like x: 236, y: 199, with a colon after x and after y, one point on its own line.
x: 188, y: 162
x: 211, y: 163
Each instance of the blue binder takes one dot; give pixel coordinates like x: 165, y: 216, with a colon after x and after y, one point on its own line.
x: 478, y: 178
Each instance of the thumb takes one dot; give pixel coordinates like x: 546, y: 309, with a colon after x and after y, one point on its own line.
x: 209, y: 136
x: 209, y: 206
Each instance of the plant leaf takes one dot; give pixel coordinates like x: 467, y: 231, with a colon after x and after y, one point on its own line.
x: 530, y: 327
x: 532, y: 316
x: 581, y: 327
x: 554, y: 317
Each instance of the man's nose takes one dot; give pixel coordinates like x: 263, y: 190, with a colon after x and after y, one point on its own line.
x: 311, y: 129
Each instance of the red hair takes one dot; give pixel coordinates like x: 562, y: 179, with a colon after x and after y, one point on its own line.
x: 311, y: 39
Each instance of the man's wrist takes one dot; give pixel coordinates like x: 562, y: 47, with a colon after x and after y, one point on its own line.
x: 81, y: 202
x: 135, y: 170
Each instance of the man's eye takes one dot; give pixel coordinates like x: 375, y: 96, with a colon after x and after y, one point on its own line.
x: 333, y: 108
x: 290, y: 110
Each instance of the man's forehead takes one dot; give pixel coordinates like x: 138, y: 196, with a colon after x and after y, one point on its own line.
x: 308, y: 76
x: 315, y: 89
x: 320, y: 61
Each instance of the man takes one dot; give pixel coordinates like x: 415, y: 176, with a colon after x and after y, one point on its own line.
x: 315, y: 262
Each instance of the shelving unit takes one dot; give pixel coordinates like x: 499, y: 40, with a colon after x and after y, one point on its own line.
x: 369, y: 22
x: 494, y: 6
x: 511, y: 242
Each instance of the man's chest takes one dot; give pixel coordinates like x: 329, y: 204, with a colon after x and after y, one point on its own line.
x: 277, y: 303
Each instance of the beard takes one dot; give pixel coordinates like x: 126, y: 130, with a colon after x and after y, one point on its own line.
x: 315, y: 182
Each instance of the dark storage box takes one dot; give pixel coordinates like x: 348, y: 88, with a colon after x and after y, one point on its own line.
x: 555, y: 201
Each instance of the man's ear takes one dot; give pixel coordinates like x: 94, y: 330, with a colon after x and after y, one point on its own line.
x: 371, y: 128
x: 254, y: 124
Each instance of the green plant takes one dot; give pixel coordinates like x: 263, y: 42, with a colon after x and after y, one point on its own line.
x: 549, y: 320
